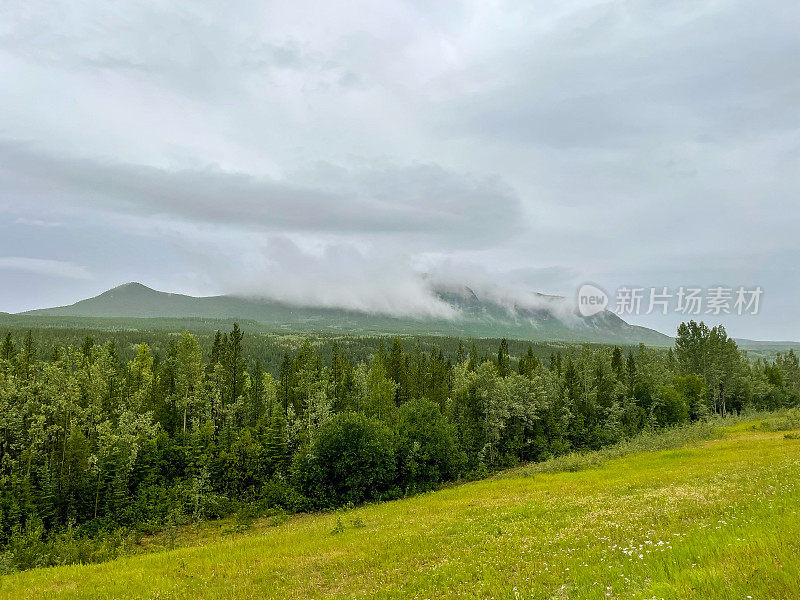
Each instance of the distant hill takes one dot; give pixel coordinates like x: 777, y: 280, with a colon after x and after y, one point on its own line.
x: 767, y: 350
x: 477, y: 317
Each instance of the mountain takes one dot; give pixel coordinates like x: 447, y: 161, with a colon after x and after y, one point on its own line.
x: 547, y: 319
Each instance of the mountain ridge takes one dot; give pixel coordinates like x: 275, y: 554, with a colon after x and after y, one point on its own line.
x: 476, y: 316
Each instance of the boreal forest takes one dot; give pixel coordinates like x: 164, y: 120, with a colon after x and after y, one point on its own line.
x: 97, y: 449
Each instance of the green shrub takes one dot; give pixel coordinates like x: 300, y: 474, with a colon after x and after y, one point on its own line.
x: 350, y: 460
x: 30, y: 547
x: 789, y: 421
x: 670, y: 408
x: 647, y: 441
x: 279, y: 493
x: 217, y: 506
x: 427, y: 453
x: 339, y: 527
x: 279, y: 517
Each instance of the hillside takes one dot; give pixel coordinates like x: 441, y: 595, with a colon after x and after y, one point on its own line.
x: 716, y: 519
x: 477, y: 317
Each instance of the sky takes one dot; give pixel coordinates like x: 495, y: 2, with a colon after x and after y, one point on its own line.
x: 348, y: 154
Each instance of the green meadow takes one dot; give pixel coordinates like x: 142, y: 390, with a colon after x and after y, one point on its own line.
x: 711, y: 518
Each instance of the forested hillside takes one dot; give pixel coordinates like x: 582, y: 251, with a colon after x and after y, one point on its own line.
x: 546, y: 318
x: 95, y: 448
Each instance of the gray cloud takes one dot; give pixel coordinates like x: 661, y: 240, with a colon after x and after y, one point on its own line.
x: 536, y: 145
x: 420, y: 200
x: 624, y: 74
x: 44, y: 266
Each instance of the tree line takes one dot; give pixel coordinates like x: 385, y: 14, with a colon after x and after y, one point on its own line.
x: 92, y: 443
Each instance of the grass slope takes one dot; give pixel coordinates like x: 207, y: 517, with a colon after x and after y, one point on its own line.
x: 715, y: 519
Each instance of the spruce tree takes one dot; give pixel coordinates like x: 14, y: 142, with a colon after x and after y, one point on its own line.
x: 287, y: 384
x: 7, y: 350
x: 275, y: 443
x: 503, y: 368
x: 395, y: 365
x: 216, y: 352
x: 617, y: 363
x: 235, y: 363
x: 473, y: 357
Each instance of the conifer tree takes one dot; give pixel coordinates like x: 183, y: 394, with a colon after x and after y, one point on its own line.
x: 617, y: 364
x: 7, y: 350
x: 235, y: 363
x: 473, y: 357
x: 275, y: 443
x: 503, y: 368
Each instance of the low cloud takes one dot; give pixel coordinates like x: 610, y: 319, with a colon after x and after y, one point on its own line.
x: 335, y: 274
x: 338, y: 273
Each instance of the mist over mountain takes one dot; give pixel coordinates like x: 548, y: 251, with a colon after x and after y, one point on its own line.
x: 475, y: 313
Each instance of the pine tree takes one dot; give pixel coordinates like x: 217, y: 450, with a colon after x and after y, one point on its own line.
x: 630, y: 373
x: 395, y: 366
x: 617, y: 364
x: 341, y: 376
x: 473, y: 357
x: 86, y: 347
x: 275, y: 436
x: 27, y: 356
x: 257, y: 406
x: 235, y: 363
x: 528, y: 364
x: 7, y: 350
x: 439, y: 388
x: 287, y: 383
x: 503, y: 368
x: 216, y: 352
x: 460, y: 353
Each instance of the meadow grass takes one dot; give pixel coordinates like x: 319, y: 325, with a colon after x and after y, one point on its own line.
x: 708, y: 518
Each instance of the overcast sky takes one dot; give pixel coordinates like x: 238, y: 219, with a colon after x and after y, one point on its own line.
x: 331, y: 152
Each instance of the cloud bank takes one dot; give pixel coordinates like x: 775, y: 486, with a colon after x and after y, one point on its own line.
x: 533, y: 146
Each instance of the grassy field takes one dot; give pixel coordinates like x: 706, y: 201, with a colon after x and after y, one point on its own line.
x: 714, y: 519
